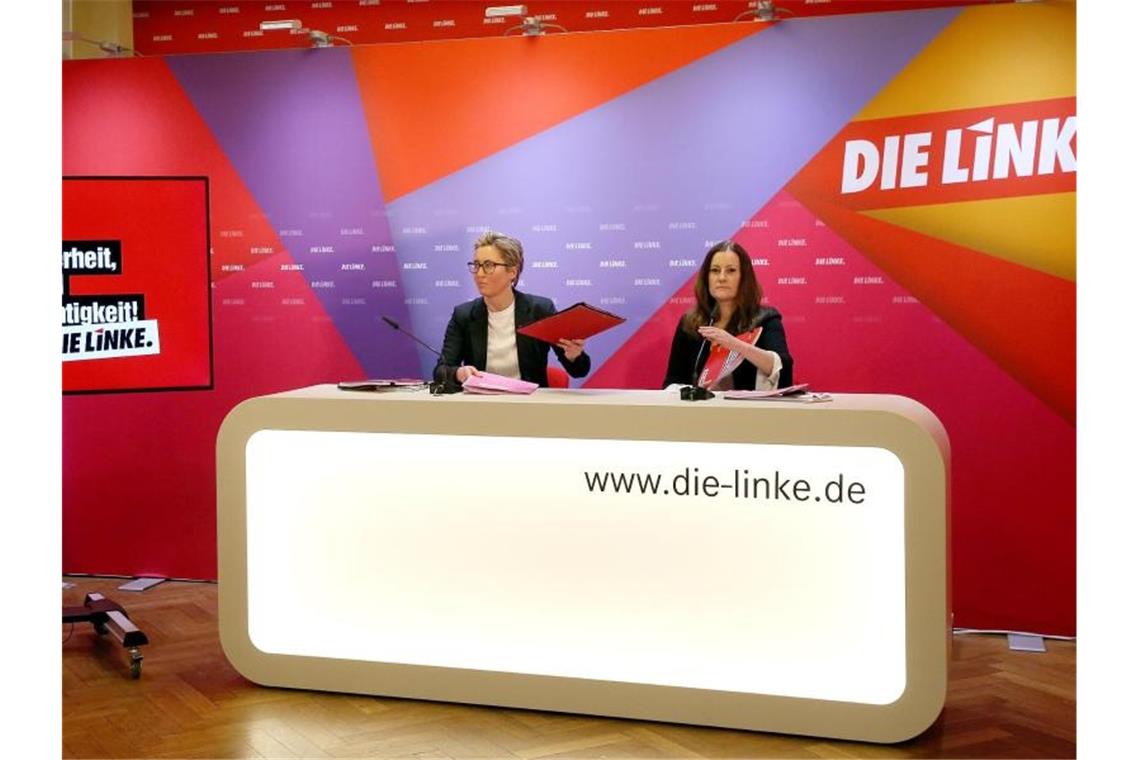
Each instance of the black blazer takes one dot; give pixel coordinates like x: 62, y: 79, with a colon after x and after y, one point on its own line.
x: 465, y: 341
x: 689, y: 353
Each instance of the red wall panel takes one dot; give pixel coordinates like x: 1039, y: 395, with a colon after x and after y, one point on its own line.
x: 163, y: 27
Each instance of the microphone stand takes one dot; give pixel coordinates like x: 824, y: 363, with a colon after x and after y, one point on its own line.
x: 435, y: 387
x: 392, y: 323
x: 694, y: 392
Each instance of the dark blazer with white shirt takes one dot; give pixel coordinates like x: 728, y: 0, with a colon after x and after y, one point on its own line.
x: 465, y: 341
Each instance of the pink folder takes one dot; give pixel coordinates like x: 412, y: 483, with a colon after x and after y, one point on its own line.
x: 490, y: 383
x: 798, y: 393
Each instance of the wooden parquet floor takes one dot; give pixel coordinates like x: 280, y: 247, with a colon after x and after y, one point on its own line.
x: 189, y: 703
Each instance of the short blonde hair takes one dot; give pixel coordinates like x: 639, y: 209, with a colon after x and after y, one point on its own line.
x: 509, y: 247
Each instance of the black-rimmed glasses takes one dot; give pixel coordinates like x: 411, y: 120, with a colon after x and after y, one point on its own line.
x: 488, y: 267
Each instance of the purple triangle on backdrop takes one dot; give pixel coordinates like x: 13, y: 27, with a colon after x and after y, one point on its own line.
x: 292, y: 124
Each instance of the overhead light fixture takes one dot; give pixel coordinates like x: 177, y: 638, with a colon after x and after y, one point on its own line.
x: 764, y: 10
x: 110, y: 48
x: 531, y: 26
x: 321, y: 39
x: 280, y: 25
x: 318, y: 38
x: 324, y: 39
x: 499, y: 11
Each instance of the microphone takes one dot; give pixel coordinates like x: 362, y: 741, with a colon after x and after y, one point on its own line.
x: 435, y: 387
x: 697, y: 361
x: 694, y: 392
x: 395, y: 326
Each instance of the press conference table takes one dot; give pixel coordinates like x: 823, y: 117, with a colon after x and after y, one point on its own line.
x: 772, y: 566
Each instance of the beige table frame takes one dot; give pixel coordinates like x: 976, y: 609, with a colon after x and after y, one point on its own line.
x: 894, y: 423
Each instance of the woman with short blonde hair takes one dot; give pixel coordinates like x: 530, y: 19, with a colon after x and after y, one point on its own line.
x: 481, y: 335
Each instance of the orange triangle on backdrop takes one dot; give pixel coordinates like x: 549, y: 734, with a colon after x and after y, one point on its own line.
x: 433, y: 109
x: 1022, y: 318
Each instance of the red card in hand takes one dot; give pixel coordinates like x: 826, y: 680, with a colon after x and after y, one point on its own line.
x: 723, y: 362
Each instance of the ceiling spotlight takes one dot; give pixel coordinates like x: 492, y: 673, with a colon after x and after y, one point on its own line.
x: 318, y: 38
x: 531, y: 27
x: 764, y: 10
x: 281, y: 24
x: 110, y: 48
x: 323, y: 39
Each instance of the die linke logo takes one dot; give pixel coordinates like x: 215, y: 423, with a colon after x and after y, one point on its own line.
x: 1007, y: 150
x: 104, y: 326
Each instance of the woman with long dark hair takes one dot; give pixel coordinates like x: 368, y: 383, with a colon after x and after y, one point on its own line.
x: 729, y: 304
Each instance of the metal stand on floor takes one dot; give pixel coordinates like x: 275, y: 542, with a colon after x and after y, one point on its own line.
x: 109, y: 617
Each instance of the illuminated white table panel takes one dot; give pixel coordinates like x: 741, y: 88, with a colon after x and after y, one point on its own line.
x: 772, y: 566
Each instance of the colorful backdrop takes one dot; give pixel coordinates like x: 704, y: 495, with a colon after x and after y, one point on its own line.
x: 905, y: 183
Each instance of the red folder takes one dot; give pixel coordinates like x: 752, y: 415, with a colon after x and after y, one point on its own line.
x: 577, y: 322
x: 722, y: 362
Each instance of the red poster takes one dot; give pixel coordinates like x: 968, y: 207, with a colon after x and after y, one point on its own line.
x: 136, y: 284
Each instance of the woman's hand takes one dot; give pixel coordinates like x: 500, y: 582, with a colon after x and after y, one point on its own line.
x: 721, y: 338
x: 573, y: 348
x: 465, y: 372
x: 760, y: 358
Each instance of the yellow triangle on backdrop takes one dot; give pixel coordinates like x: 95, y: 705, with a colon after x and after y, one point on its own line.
x: 1036, y: 231
x: 989, y: 55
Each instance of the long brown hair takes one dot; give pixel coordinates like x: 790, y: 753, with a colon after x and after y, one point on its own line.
x: 748, y: 296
